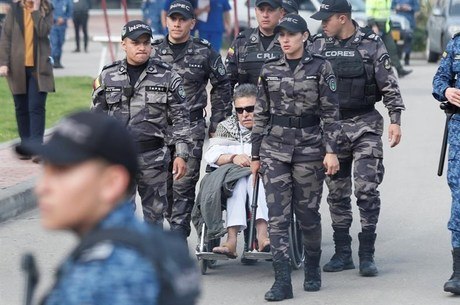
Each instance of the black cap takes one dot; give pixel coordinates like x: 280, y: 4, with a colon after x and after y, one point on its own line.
x: 183, y: 8
x: 84, y: 136
x: 272, y: 3
x: 134, y: 29
x: 292, y: 23
x: 331, y: 7
x: 290, y: 6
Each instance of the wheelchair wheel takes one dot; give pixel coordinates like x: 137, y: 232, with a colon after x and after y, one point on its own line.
x: 296, y: 252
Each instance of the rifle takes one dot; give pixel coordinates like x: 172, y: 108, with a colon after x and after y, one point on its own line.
x: 29, y: 268
x: 449, y: 110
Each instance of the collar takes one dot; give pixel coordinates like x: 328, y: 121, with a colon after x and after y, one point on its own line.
x: 123, y: 67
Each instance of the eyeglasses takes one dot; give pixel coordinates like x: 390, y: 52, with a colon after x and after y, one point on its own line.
x: 248, y: 109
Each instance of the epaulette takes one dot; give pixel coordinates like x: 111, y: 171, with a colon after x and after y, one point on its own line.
x: 245, y: 33
x: 161, y: 64
x: 318, y: 55
x: 157, y: 41
x: 317, y: 36
x: 115, y: 63
x: 371, y: 36
x: 202, y: 41
x: 456, y: 34
x: 274, y: 58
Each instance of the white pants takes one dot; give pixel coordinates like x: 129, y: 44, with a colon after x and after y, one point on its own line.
x: 236, y: 204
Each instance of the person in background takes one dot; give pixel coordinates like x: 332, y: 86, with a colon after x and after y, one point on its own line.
x: 151, y: 14
x: 217, y: 23
x: 407, y: 8
x: 290, y: 6
x: 4, y: 7
x: 62, y: 13
x: 25, y: 61
x: 446, y: 84
x: 164, y: 14
x: 80, y: 21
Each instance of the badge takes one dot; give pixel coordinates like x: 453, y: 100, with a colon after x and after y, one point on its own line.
x: 387, y: 64
x: 221, y: 70
x: 332, y: 83
x: 113, y: 89
x: 181, y: 91
x: 456, y: 57
x: 253, y: 38
x: 155, y: 88
x: 96, y: 83
x: 163, y: 51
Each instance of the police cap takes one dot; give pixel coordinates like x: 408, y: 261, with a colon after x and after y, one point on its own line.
x: 290, y: 6
x: 272, y: 3
x: 292, y: 23
x: 183, y: 8
x: 85, y: 136
x: 331, y: 7
x: 134, y: 29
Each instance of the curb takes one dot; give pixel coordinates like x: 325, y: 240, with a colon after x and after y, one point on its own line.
x: 17, y: 199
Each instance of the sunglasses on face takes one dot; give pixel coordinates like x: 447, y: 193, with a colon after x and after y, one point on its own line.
x: 248, y: 109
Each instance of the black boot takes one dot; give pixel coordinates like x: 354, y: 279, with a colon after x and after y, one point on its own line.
x: 312, y: 271
x: 453, y: 284
x: 57, y: 63
x: 366, y: 254
x: 341, y: 260
x: 282, y: 288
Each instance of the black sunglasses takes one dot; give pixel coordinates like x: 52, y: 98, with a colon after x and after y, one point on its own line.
x: 248, y: 109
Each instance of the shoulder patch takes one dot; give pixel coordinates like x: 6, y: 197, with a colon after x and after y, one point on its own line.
x: 97, y: 83
x: 331, y: 82
x: 115, y: 63
x: 202, y: 41
x: 157, y: 41
x: 371, y: 36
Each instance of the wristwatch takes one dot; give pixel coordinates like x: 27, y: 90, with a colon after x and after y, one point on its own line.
x: 182, y: 155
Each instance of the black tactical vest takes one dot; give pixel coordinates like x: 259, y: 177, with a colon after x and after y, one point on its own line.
x: 356, y: 84
x: 251, y: 62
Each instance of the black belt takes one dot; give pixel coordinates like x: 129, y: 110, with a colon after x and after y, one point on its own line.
x: 349, y: 113
x: 195, y: 115
x: 150, y: 145
x: 295, y: 121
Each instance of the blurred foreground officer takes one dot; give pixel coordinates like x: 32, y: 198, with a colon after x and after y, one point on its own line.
x: 252, y: 47
x: 89, y: 167
x: 446, y: 84
x: 362, y: 66
x: 197, y: 63
x: 296, y: 97
x: 142, y: 93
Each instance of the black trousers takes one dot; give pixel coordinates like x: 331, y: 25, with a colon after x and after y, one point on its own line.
x: 80, y: 20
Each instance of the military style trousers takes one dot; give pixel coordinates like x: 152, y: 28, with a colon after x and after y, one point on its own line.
x: 151, y: 184
x: 365, y: 157
x: 293, y: 187
x: 453, y: 178
x: 181, y: 193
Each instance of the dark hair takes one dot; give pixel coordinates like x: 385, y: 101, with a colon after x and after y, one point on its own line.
x: 244, y: 90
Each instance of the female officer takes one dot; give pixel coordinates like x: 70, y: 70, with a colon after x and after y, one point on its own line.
x: 292, y: 150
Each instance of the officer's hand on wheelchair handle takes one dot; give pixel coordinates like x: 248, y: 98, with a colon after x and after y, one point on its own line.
x: 255, y: 166
x: 331, y: 164
x: 179, y: 168
x: 453, y: 96
x: 394, y: 134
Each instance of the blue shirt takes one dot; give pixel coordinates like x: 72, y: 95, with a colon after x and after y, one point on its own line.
x: 410, y: 15
x: 151, y: 9
x: 62, y: 8
x: 215, y: 22
x: 448, y: 69
x: 108, y: 273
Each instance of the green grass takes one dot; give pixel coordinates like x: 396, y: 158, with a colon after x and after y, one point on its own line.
x: 72, y: 94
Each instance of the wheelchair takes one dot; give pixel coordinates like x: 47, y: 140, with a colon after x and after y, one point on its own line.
x: 208, y: 259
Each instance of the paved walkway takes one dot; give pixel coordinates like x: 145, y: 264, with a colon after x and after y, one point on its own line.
x: 17, y: 176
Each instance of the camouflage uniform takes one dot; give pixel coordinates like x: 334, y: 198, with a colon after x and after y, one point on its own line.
x: 246, y: 56
x: 108, y: 273
x: 197, y: 64
x: 448, y: 76
x: 144, y: 109
x: 292, y: 145
x: 363, y: 77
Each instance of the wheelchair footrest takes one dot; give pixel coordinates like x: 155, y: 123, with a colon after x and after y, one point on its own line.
x: 257, y: 255
x: 211, y: 256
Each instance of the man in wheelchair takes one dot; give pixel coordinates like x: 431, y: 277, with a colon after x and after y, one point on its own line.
x: 232, y: 145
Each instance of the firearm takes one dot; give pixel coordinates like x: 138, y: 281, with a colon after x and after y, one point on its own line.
x: 29, y: 268
x: 449, y: 109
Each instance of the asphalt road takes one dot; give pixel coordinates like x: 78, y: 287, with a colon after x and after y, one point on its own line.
x: 412, y: 249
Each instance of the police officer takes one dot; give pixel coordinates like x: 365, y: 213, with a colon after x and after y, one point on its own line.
x: 252, y: 47
x: 446, y: 84
x: 292, y: 151
x: 142, y: 93
x: 90, y: 165
x: 197, y: 63
x: 363, y: 69
x: 61, y: 13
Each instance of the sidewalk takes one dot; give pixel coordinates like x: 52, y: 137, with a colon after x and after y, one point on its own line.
x: 17, y: 177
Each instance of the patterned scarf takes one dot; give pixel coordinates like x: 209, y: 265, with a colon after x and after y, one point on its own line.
x: 231, y: 129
